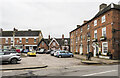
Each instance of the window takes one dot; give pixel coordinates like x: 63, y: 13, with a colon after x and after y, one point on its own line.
x: 81, y: 37
x: 95, y: 34
x: 81, y: 29
x: 88, y: 48
x: 54, y: 44
x: 95, y: 22
x: 104, y: 31
x: 76, y: 39
x: 34, y: 40
x: 11, y: 40
x: 103, y: 19
x: 6, y: 40
x: 88, y: 27
x: 26, y: 40
x: 42, y: 43
x: 88, y: 34
x: 104, y: 47
x: 76, y: 32
x: 20, y: 40
x: 76, y: 48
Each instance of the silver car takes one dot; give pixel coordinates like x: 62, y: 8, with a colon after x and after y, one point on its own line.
x: 10, y: 57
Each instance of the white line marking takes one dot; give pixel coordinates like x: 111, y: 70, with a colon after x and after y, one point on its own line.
x: 8, y: 71
x: 99, y: 73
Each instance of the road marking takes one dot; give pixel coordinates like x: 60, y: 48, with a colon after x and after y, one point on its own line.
x: 99, y: 73
x: 8, y: 71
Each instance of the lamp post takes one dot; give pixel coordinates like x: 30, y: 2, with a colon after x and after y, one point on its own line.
x: 14, y: 30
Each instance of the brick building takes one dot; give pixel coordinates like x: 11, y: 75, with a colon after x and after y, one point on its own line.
x: 55, y: 43
x: 99, y: 35
x: 23, y: 39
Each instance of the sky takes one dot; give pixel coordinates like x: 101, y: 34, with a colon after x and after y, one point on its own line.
x: 52, y: 17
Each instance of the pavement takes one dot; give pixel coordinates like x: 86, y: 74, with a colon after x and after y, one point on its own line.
x: 95, y: 60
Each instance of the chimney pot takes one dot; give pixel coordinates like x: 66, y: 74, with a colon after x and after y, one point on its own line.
x: 78, y: 26
x: 49, y: 37
x: 62, y: 36
x: 102, y: 6
x: 85, y: 21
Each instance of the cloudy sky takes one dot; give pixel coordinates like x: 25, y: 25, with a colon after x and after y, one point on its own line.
x: 54, y: 17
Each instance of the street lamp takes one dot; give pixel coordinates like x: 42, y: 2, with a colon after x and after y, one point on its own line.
x: 14, y: 30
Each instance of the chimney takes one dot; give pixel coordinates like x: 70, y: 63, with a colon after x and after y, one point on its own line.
x: 102, y: 6
x: 29, y: 30
x: 78, y: 26
x: 119, y: 3
x: 49, y: 37
x: 85, y: 21
x: 62, y: 36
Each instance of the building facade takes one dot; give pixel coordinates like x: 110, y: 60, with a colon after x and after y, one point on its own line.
x: 22, y: 39
x: 100, y: 35
x: 55, y: 43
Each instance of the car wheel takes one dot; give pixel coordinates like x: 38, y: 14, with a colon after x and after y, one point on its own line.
x: 72, y: 56
x: 13, y: 61
x: 60, y: 56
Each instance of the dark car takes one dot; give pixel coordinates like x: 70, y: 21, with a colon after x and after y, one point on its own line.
x: 48, y: 51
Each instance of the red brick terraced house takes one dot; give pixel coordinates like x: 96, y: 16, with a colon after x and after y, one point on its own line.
x: 27, y: 39
x: 100, y: 35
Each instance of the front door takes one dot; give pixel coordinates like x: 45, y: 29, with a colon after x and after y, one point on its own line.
x: 95, y: 50
x: 81, y: 50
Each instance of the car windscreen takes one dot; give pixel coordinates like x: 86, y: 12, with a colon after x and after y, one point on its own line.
x: 1, y: 53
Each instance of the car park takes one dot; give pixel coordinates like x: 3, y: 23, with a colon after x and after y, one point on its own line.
x: 33, y: 53
x: 63, y: 53
x: 10, y: 57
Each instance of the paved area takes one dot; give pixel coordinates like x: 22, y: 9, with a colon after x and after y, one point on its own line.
x: 61, y: 67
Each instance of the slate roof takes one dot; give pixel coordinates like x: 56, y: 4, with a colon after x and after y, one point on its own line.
x: 20, y: 33
x: 59, y: 40
x: 108, y: 8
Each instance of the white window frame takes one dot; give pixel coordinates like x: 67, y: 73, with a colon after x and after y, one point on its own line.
x: 35, y: 41
x: 95, y: 23
x: 80, y: 29
x: 103, y: 47
x: 26, y: 41
x: 76, y: 48
x: 104, y: 29
x: 81, y: 38
x: 94, y: 33
x: 6, y: 40
x: 12, y: 40
x: 20, y: 40
x: 88, y: 27
x: 54, y: 44
x: 103, y: 19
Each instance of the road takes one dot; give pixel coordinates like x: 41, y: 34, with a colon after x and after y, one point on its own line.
x: 64, y: 67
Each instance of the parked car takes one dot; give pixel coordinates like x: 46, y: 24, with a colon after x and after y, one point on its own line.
x: 64, y: 54
x: 48, y: 51
x: 52, y: 52
x: 10, y: 57
x: 41, y: 51
x: 33, y: 53
x: 25, y: 51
